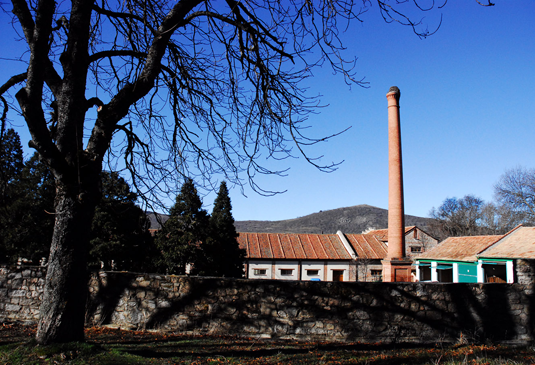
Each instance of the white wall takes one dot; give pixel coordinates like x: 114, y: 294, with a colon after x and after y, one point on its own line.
x: 273, y: 270
x: 312, y: 265
x: 337, y: 266
x: 287, y: 265
x: 260, y: 265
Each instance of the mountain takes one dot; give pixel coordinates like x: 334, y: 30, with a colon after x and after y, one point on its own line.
x: 355, y: 219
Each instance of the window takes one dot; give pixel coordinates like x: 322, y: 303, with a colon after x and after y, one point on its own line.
x: 425, y: 272
x: 445, y: 273
x: 260, y: 271
x: 495, y: 272
x: 416, y: 249
x: 313, y: 272
x: 377, y: 275
x: 286, y: 272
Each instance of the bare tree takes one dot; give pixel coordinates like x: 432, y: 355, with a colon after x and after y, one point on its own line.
x: 516, y: 192
x: 187, y: 88
x: 471, y: 216
x: 457, y: 217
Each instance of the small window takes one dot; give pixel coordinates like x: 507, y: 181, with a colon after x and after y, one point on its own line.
x: 286, y: 272
x: 313, y: 272
x: 377, y: 275
x: 260, y: 271
x: 376, y: 272
x: 416, y: 249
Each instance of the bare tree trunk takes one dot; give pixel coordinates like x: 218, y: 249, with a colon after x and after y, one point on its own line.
x: 62, y: 311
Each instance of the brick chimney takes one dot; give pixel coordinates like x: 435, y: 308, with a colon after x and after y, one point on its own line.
x: 396, y: 267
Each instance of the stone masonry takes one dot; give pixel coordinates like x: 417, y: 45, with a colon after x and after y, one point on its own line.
x: 367, y: 312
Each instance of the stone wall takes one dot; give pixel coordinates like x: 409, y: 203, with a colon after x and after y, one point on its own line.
x: 21, y: 290
x: 524, y: 271
x: 368, y: 312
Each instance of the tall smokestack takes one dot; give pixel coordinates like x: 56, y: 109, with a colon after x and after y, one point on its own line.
x: 396, y: 216
x: 395, y: 267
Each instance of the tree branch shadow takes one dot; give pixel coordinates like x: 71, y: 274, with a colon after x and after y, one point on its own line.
x: 369, y: 312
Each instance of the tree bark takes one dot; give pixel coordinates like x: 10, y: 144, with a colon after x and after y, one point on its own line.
x: 62, y: 312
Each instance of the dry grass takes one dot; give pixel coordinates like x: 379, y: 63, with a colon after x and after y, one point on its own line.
x: 115, y: 346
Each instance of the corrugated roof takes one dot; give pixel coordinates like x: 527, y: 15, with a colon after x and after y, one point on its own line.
x: 383, y: 233
x: 460, y: 248
x: 293, y: 246
x: 367, y: 246
x: 517, y: 244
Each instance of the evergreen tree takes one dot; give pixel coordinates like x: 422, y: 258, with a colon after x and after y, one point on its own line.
x: 11, y: 165
x: 221, y: 254
x: 119, y: 233
x: 119, y: 229
x: 33, y: 212
x: 181, y: 235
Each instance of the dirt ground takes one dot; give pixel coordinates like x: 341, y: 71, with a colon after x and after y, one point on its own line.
x: 106, y: 345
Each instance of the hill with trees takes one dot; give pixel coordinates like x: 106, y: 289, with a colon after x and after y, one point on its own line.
x: 355, y: 219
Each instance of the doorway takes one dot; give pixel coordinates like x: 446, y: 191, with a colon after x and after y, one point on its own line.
x: 495, y: 273
x: 338, y: 275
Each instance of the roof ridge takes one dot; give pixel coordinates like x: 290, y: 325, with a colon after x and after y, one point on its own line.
x: 501, y: 238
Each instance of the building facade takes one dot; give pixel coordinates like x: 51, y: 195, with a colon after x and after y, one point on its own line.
x: 322, y: 257
x: 417, y: 241
x: 479, y: 259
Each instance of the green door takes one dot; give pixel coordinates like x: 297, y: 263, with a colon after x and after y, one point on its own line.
x: 467, y: 273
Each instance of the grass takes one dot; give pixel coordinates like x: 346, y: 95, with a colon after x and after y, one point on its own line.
x: 115, y: 346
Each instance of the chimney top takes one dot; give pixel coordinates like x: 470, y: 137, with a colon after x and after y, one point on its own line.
x: 395, y: 90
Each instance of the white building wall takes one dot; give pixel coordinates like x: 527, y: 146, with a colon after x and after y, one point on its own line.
x: 281, y: 266
x: 510, y: 271
x: 308, y: 267
x: 259, y: 265
x: 434, y: 273
x: 455, y: 272
x: 276, y: 270
x: 331, y: 266
x: 480, y: 272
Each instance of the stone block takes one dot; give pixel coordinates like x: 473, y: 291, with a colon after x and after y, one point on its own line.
x: 18, y: 293
x: 163, y: 304
x: 13, y: 308
x: 26, y: 273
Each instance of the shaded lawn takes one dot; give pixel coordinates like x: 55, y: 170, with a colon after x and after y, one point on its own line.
x: 116, y: 346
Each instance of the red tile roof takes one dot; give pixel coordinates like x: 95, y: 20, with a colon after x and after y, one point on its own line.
x: 293, y: 246
x: 310, y: 246
x: 460, y: 248
x: 382, y: 234
x: 367, y: 246
x: 518, y: 244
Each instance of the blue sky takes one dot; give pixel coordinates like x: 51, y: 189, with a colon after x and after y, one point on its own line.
x: 466, y: 113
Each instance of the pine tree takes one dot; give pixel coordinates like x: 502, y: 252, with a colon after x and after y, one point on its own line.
x: 119, y: 233
x: 181, y: 235
x: 35, y: 212
x: 11, y: 165
x: 222, y: 255
x: 119, y: 230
